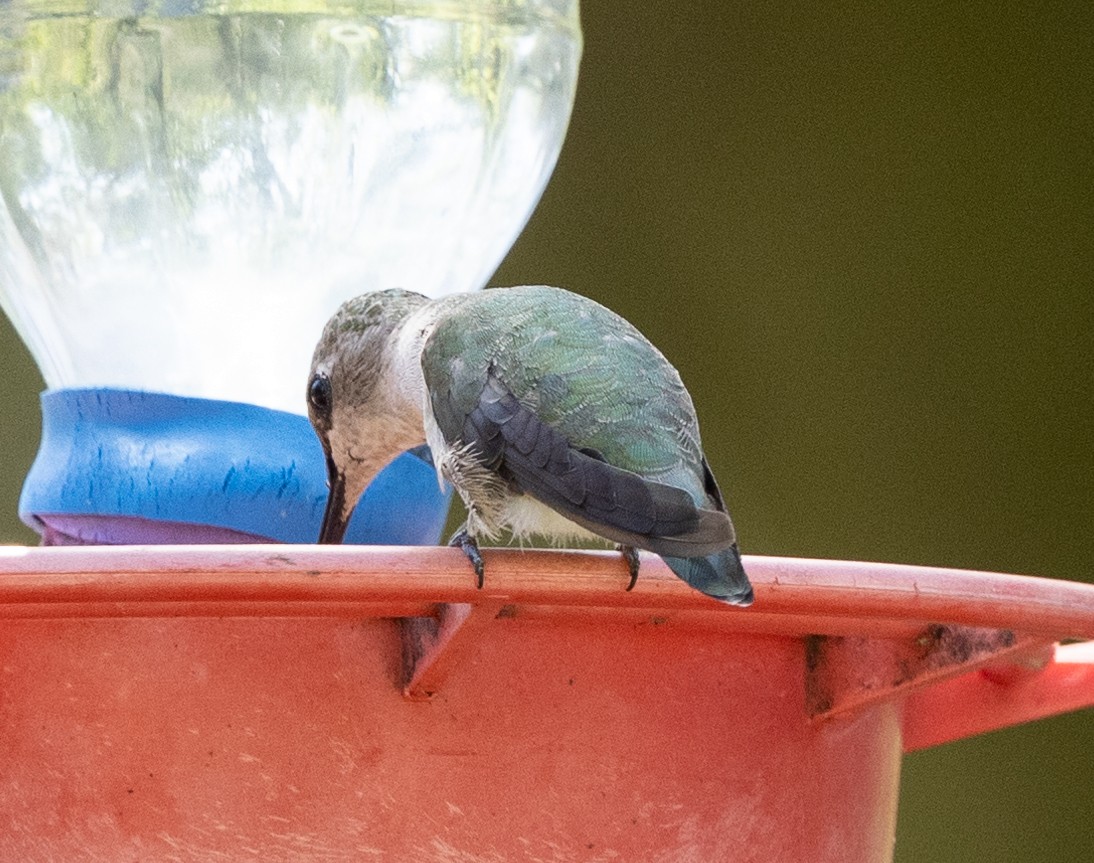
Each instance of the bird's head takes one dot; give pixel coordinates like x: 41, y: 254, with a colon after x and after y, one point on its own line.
x: 358, y: 398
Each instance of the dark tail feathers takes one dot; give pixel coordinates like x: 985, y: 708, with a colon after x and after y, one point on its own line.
x: 719, y: 575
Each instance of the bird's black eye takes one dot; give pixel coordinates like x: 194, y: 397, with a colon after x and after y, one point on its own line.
x: 319, y: 394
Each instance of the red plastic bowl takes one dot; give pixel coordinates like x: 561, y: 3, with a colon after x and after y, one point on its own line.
x: 294, y: 703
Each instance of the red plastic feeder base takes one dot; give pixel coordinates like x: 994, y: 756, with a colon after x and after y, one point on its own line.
x: 287, y: 703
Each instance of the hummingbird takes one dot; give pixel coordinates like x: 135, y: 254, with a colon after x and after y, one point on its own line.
x: 549, y: 414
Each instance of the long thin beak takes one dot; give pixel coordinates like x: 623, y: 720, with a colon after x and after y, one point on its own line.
x: 335, y: 520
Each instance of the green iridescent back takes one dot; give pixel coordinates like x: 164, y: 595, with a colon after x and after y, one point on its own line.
x: 583, y: 369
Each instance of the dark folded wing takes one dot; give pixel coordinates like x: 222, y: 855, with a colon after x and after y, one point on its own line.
x: 617, y: 504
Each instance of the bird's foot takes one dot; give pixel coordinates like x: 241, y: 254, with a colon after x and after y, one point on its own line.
x: 630, y: 556
x: 464, y: 541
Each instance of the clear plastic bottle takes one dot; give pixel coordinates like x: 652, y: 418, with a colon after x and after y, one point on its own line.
x: 190, y: 188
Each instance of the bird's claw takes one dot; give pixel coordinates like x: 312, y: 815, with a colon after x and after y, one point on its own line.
x: 630, y: 556
x: 467, y: 544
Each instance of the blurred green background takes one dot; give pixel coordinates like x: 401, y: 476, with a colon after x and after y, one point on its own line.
x: 863, y: 234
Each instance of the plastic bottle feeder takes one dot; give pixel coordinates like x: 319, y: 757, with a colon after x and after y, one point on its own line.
x: 301, y: 703
x: 197, y: 188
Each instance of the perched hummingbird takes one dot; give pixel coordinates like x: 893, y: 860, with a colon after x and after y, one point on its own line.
x: 548, y: 413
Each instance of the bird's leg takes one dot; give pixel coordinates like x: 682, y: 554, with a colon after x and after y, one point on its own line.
x: 630, y: 556
x: 464, y: 541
